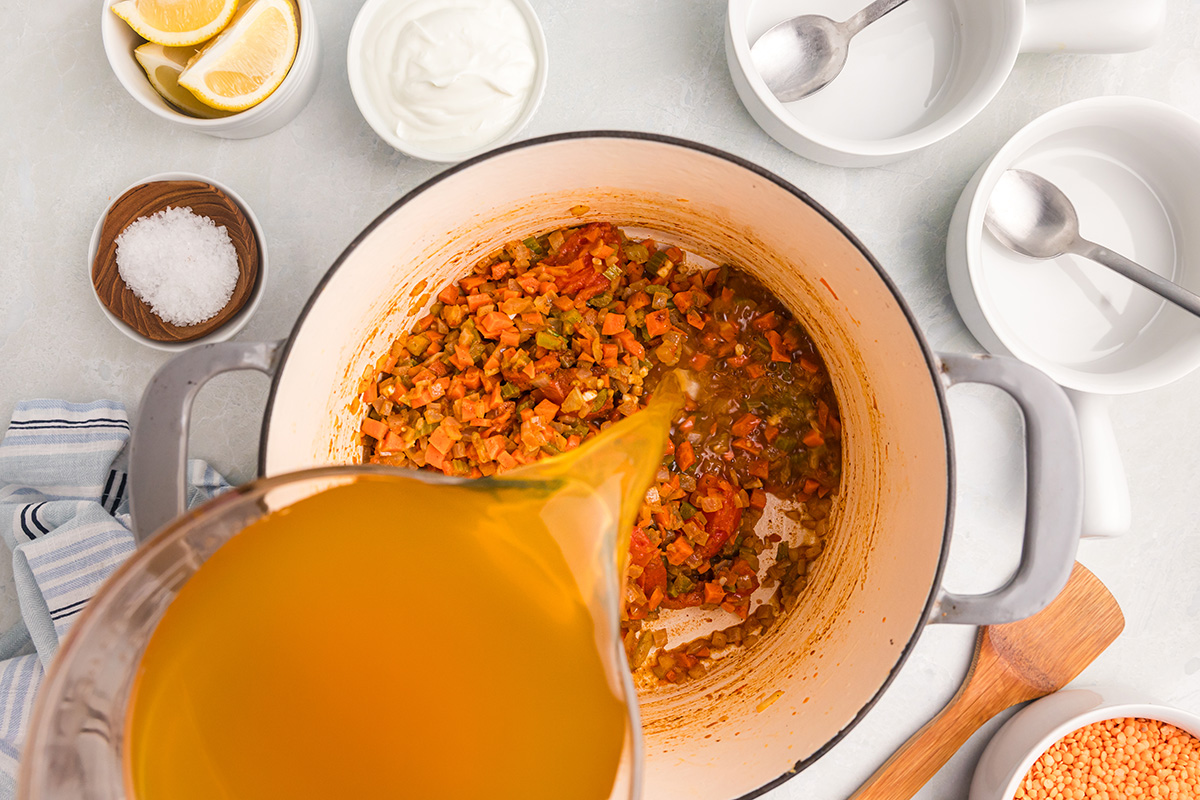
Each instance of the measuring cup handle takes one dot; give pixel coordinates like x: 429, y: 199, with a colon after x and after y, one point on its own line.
x: 1091, y: 26
x: 1053, y: 492
x: 1105, y: 491
x: 158, y: 449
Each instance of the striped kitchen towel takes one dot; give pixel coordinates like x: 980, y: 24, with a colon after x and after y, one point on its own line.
x: 64, y: 512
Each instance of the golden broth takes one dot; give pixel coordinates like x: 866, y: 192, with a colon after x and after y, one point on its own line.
x: 396, y: 638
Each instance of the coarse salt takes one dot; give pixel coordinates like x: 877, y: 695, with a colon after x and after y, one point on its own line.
x: 181, y: 264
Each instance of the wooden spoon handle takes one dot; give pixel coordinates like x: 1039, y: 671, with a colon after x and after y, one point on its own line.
x: 980, y: 698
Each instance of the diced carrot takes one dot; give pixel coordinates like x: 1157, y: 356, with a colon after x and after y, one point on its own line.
x: 374, y: 428
x: 771, y: 433
x: 510, y: 338
x: 760, y: 468
x: 392, y: 443
x: 685, y: 455
x: 813, y: 439
x: 371, y: 394
x: 713, y: 592
x: 613, y: 323
x: 758, y: 499
x: 695, y: 319
x: 546, y: 410
x: 631, y: 345
x: 563, y: 303
x: 745, y: 425
x: 675, y: 254
x: 492, y: 323
x: 656, y: 597
x: 478, y: 301
x: 807, y: 365
x: 679, y: 550
x: 424, y: 323
x: 811, y: 486
x: 755, y: 370
x: 602, y: 250
x: 637, y: 300
x: 609, y: 352
x: 440, y: 440
x: 776, y: 342
x: 700, y: 361
x: 766, y: 322
x: 658, y: 322
x: 683, y: 301
x: 748, y: 445
x: 738, y: 361
x: 434, y: 458
x: 449, y: 295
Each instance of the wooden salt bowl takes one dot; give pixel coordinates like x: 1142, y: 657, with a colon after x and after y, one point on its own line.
x: 203, y: 199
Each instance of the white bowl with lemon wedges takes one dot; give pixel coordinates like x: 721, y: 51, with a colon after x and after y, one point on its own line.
x: 230, y: 68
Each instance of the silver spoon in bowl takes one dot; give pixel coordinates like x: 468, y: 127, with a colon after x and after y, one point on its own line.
x: 799, y: 56
x: 1031, y: 216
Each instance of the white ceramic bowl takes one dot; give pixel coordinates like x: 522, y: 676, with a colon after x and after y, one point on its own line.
x: 921, y: 72
x: 279, y: 108
x: 1131, y: 167
x: 1032, y: 730
x: 355, y: 68
x: 234, y: 323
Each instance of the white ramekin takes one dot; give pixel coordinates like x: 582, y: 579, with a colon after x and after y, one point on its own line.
x: 279, y: 108
x: 354, y: 68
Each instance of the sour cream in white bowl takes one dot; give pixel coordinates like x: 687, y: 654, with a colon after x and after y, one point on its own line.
x: 445, y: 81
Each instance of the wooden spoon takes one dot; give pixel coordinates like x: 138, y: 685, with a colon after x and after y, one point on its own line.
x: 1013, y: 663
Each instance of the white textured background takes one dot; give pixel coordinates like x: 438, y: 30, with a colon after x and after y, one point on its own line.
x: 70, y: 138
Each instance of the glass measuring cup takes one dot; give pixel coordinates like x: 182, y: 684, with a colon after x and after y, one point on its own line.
x: 77, y: 743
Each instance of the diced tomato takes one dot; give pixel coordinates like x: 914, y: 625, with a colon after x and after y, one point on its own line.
x: 721, y: 525
x: 631, y: 345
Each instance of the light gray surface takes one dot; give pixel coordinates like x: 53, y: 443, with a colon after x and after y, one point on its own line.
x: 70, y: 137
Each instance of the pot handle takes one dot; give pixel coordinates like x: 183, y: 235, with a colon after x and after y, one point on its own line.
x: 1053, y: 492
x: 158, y: 448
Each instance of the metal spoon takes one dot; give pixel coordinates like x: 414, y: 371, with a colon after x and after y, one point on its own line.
x: 1031, y: 216
x: 799, y: 56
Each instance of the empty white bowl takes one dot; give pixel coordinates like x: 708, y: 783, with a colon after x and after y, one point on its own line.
x: 1035, y: 728
x: 921, y: 72
x: 371, y: 19
x: 279, y: 108
x: 230, y: 326
x: 1131, y: 167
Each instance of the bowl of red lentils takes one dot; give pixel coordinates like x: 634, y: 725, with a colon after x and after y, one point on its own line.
x: 1092, y: 744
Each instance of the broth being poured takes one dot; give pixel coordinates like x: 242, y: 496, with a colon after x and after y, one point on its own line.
x: 293, y: 664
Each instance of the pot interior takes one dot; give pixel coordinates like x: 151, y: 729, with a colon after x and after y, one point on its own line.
x: 756, y: 715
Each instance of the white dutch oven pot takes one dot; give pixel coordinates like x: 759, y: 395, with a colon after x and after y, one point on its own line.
x: 878, y: 582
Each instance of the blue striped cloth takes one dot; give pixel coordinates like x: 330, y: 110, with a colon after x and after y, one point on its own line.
x: 64, y: 512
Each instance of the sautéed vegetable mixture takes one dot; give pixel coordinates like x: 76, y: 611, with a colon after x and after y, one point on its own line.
x: 554, y: 338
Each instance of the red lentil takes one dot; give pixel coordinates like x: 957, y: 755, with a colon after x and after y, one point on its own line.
x: 1116, y: 759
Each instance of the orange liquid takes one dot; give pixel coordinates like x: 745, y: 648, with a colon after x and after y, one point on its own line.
x: 391, y: 638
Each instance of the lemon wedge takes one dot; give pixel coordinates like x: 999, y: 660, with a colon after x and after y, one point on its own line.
x: 163, y: 65
x: 248, y: 60
x: 176, y: 23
